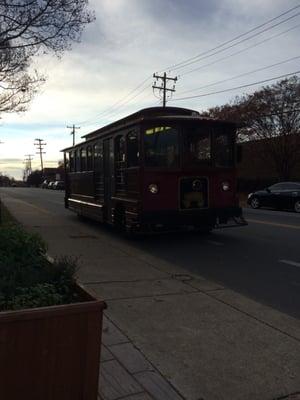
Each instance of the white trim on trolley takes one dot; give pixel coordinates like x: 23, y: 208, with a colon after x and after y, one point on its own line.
x: 85, y: 203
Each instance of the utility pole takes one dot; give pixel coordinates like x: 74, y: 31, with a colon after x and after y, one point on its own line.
x: 163, y: 86
x: 28, y: 168
x: 40, y: 144
x: 28, y: 162
x: 73, y: 127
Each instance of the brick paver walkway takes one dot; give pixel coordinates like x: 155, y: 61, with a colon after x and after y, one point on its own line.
x: 125, y: 373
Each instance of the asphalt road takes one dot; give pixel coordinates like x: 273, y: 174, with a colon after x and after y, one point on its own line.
x: 261, y: 261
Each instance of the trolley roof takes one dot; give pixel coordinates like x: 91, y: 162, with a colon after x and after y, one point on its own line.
x: 174, y: 113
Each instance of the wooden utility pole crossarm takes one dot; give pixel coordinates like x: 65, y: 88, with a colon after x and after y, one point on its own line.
x: 28, y: 167
x: 28, y: 159
x: 40, y: 144
x: 163, y: 86
x: 73, y: 127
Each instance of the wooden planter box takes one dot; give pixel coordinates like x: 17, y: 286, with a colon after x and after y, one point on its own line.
x: 51, y: 353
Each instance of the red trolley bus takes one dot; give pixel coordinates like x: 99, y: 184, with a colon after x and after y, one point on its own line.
x: 159, y: 168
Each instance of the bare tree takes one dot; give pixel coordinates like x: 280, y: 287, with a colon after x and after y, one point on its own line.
x: 272, y: 116
x: 29, y: 28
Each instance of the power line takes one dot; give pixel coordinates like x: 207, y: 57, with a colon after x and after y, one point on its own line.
x: 126, y: 99
x: 130, y: 99
x: 118, y: 113
x: 138, y: 94
x: 240, y: 51
x: 235, y: 44
x: 237, y: 87
x: 240, y: 75
x: 184, y: 62
x: 113, y: 111
x: 119, y: 102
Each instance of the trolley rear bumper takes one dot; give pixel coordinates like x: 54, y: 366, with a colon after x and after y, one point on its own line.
x: 214, y: 217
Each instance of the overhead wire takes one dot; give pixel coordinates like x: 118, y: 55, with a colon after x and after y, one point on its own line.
x: 118, y: 113
x: 176, y: 66
x: 236, y: 44
x: 237, y: 87
x: 241, y: 75
x: 113, y: 106
x: 241, y: 51
x: 126, y: 99
x: 113, y: 112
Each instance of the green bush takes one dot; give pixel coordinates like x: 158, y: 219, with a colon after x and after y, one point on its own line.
x: 27, y: 278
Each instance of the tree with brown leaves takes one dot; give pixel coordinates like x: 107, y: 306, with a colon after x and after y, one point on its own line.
x: 272, y: 116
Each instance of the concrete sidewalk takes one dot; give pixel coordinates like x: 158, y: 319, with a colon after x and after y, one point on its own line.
x: 168, y: 334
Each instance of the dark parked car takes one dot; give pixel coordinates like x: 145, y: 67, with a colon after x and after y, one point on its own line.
x: 283, y: 195
x: 50, y: 185
x: 45, y: 184
x: 58, y: 185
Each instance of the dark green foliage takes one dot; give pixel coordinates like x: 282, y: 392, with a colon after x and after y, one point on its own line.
x: 27, y: 278
x: 43, y: 294
x: 35, y: 178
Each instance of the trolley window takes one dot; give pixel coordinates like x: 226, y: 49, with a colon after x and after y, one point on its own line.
x: 161, y: 146
x: 72, y: 161
x: 98, y: 156
x: 89, y: 159
x: 197, y: 145
x: 77, y: 160
x: 120, y: 150
x: 132, y: 149
x: 83, y: 159
x: 223, y: 147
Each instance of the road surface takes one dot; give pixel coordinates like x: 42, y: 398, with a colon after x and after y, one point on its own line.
x: 261, y: 260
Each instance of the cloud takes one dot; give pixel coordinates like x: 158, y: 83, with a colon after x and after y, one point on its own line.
x: 10, y: 160
x: 128, y: 42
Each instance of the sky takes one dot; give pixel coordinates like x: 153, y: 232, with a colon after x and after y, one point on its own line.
x: 108, y: 75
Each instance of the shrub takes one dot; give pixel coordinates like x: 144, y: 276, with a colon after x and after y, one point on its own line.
x: 27, y: 278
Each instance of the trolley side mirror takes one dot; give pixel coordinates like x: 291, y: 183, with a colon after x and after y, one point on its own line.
x: 239, y: 153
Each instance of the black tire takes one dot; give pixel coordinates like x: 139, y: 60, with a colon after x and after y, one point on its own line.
x: 297, y: 206
x: 255, y: 203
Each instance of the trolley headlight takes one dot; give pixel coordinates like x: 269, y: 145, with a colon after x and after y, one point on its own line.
x: 153, y: 188
x: 225, y: 186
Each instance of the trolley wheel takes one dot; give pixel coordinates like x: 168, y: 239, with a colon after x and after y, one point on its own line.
x: 120, y: 219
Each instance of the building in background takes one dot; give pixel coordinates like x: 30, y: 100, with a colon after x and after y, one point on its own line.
x: 258, y: 170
